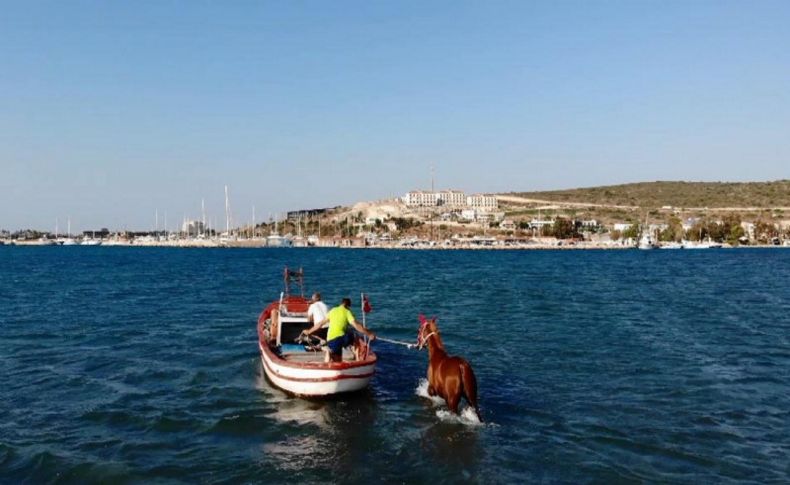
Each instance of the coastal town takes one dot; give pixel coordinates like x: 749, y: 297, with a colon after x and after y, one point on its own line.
x: 452, y: 219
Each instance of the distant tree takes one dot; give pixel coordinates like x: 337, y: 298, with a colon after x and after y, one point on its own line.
x: 564, y: 228
x: 632, y: 232
x: 765, y: 231
x: 615, y: 235
x: 673, y: 232
x: 405, y: 223
x: 698, y: 232
x: 715, y: 231
x: 731, y: 229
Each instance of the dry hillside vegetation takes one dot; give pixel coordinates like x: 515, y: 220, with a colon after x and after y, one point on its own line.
x: 676, y: 194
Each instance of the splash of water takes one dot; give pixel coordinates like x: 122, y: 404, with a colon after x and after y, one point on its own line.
x: 467, y: 415
x: 422, y: 391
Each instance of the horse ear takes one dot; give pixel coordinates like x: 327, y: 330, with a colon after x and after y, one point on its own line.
x: 421, y: 318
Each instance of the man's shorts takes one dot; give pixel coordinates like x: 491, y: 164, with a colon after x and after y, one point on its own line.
x: 336, y: 344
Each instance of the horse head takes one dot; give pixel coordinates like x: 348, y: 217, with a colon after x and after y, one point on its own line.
x: 427, y: 328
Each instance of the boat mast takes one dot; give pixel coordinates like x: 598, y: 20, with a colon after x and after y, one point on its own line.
x: 203, y: 217
x: 227, y: 212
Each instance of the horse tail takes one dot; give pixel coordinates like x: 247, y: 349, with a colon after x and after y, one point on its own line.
x: 469, y: 383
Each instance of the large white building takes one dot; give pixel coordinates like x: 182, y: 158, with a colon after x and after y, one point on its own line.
x: 481, y: 201
x: 421, y: 198
x: 450, y: 198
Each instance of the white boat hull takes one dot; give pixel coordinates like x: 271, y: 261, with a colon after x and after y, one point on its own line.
x: 315, y: 381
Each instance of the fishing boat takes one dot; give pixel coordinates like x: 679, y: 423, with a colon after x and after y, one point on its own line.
x: 646, y: 241
x: 301, y: 366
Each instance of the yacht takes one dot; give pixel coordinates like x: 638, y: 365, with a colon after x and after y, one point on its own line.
x: 277, y: 241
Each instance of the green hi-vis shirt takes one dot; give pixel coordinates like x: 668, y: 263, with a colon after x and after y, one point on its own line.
x: 339, y: 319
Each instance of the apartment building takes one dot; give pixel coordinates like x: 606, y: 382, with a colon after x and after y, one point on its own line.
x: 481, y: 201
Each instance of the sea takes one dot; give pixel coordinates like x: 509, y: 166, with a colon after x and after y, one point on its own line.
x: 141, y: 365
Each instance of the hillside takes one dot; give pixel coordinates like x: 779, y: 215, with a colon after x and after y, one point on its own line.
x: 676, y: 194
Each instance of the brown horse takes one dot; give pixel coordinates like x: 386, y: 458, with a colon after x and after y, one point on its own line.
x: 448, y: 377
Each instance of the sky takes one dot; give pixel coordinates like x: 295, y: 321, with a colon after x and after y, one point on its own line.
x: 113, y: 111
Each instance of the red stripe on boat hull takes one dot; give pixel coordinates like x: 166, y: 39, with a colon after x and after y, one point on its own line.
x: 317, y: 379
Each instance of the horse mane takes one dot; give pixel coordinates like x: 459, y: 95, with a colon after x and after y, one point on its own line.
x: 438, y: 335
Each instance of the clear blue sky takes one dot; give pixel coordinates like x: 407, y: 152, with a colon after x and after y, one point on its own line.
x: 110, y: 110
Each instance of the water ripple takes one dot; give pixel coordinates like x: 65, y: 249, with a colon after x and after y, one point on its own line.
x: 140, y: 365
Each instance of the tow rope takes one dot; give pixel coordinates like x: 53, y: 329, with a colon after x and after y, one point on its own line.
x: 397, y: 342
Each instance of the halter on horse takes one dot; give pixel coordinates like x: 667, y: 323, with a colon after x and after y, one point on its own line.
x: 448, y: 377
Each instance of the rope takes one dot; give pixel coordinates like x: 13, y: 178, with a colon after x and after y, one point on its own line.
x: 397, y: 342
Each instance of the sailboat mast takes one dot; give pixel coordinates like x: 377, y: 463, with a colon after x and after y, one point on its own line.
x: 227, y: 212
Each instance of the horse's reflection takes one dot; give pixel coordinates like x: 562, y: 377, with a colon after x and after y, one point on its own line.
x: 452, y: 446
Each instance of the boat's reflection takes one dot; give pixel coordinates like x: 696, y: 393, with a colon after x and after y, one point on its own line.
x: 315, y: 433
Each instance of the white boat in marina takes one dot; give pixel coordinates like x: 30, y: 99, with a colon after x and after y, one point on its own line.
x: 707, y: 244
x: 646, y: 242
x: 67, y: 240
x: 672, y: 245
x: 277, y: 241
x: 91, y: 241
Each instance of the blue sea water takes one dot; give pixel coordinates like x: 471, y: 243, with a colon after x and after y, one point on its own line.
x: 132, y: 365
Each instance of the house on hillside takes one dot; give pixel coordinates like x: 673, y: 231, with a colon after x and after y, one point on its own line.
x: 622, y: 226
x: 508, y: 225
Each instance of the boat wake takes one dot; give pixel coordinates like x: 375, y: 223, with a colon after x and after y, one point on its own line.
x: 467, y: 415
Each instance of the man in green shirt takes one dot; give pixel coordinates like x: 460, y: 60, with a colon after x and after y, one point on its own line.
x: 339, y: 335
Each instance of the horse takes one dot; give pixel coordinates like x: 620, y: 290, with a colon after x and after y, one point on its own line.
x: 448, y: 377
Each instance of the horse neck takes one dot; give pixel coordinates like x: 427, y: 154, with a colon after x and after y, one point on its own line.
x: 435, y: 347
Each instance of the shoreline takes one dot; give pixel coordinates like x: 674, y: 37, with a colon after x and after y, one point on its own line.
x: 254, y: 244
